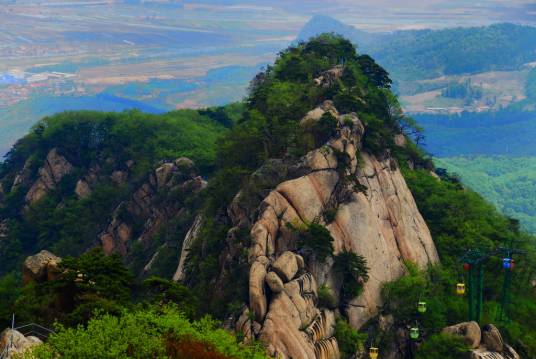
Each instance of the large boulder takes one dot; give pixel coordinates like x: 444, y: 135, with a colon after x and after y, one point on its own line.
x: 82, y: 189
x: 492, y: 339
x: 184, y: 164
x: 16, y: 343
x: 274, y: 282
x: 315, y: 115
x: 469, y: 331
x: 329, y: 77
x: 286, y: 266
x: 40, y: 267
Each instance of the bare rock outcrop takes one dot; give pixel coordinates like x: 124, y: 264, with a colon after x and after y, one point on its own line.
x: 23, y: 177
x: 257, y: 294
x: 294, y: 327
x: 381, y: 223
x: 146, y: 205
x: 40, y: 267
x: 84, y: 186
x: 486, y: 343
x: 492, y: 338
x: 314, y: 115
x: 16, y: 343
x: 328, y: 78
x: 54, y: 168
x: 189, y: 240
x: 286, y: 265
x: 469, y: 331
x: 274, y: 282
x: 82, y: 189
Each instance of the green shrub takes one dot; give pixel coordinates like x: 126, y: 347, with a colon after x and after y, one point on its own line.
x: 435, y: 287
x: 91, y: 281
x: 354, y: 271
x: 330, y: 215
x: 324, y: 129
x: 164, y: 291
x: 141, y: 334
x: 350, y: 340
x: 442, y: 346
x: 326, y: 299
x: 315, y: 240
x: 401, y: 296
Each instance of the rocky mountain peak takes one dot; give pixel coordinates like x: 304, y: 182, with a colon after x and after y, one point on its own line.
x: 373, y: 215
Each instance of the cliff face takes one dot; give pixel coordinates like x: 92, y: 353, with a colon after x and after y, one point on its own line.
x: 375, y: 217
x: 153, y: 204
x: 140, y: 208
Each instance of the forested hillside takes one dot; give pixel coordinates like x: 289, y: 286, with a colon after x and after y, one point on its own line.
x: 315, y: 194
x: 419, y: 54
x: 507, y: 182
x: 95, y: 146
x: 492, y: 152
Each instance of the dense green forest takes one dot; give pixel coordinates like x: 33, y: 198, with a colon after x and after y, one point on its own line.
x: 229, y: 145
x: 429, y: 53
x: 492, y: 152
x: 418, y: 54
x: 507, y: 182
x: 89, y: 139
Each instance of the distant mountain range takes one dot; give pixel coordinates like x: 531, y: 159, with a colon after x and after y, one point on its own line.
x: 420, y: 54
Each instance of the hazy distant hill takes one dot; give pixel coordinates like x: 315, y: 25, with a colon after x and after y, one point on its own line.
x: 418, y: 54
x: 322, y: 23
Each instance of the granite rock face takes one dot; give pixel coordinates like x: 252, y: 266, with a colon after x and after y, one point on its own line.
x: 377, y: 219
x: 150, y: 205
x: 54, y: 168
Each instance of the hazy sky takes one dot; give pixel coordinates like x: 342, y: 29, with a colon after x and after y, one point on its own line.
x: 398, y: 14
x: 375, y: 15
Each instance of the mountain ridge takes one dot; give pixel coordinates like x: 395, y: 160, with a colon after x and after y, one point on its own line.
x: 322, y: 225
